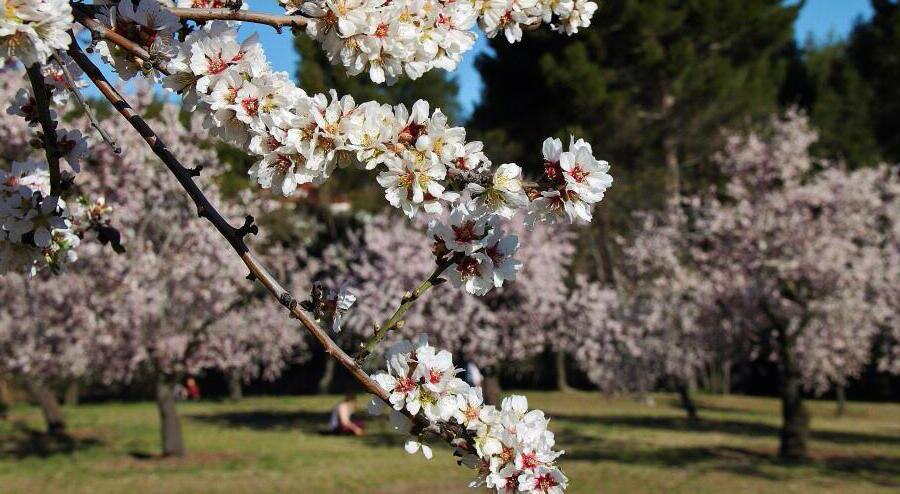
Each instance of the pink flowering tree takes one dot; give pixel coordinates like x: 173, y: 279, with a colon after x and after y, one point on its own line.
x: 426, y: 167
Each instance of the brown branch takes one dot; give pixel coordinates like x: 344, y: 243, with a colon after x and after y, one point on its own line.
x: 396, y: 319
x: 83, y: 13
x: 42, y: 104
x: 274, y: 20
x: 70, y: 83
x: 234, y: 236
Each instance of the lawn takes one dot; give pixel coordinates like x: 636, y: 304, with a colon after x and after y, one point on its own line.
x: 613, y: 445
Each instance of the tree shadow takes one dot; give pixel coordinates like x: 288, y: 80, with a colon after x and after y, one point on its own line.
x: 733, y: 427
x: 881, y: 470
x: 25, y: 442
x: 309, y: 422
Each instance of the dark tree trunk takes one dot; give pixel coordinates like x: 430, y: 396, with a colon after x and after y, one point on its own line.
x: 170, y: 423
x: 72, y: 392
x: 687, y: 398
x: 44, y: 397
x: 726, y: 378
x: 327, y: 377
x: 490, y: 386
x: 794, y: 415
x: 5, y: 399
x: 670, y: 149
x: 562, y: 382
x: 841, y: 398
x: 235, y: 388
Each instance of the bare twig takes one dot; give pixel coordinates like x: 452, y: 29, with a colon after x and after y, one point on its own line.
x: 233, y: 235
x: 274, y: 20
x: 70, y: 83
x: 396, y: 319
x: 42, y: 104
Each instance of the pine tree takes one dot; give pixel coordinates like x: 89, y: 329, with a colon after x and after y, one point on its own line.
x: 650, y: 83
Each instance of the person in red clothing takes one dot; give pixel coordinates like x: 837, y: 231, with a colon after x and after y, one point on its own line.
x: 193, y: 389
x: 342, y: 418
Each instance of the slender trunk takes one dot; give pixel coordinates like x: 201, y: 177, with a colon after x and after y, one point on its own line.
x: 670, y: 150
x: 490, y: 386
x: 5, y: 399
x: 687, y: 398
x: 603, y: 251
x: 562, y: 382
x: 794, y: 415
x: 327, y: 377
x: 71, y: 396
x: 44, y: 397
x: 841, y: 398
x: 170, y: 423
x: 726, y: 378
x: 235, y: 388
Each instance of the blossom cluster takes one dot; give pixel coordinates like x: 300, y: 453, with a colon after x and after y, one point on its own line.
x: 37, y: 229
x: 423, y: 163
x: 510, y: 447
x: 388, y: 39
x: 31, y: 30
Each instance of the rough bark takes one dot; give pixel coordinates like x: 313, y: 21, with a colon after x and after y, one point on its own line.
x: 170, y: 423
x: 795, y: 417
x: 46, y: 399
x: 841, y: 399
x: 491, y: 389
x: 235, y: 387
x: 562, y: 381
x: 327, y: 377
x: 70, y: 398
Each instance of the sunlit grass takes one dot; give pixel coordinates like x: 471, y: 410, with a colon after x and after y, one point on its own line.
x: 613, y: 445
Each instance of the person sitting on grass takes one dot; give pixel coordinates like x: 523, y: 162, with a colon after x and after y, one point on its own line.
x: 342, y: 422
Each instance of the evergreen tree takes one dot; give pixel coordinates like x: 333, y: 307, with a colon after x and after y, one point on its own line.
x: 874, y: 47
x: 651, y: 82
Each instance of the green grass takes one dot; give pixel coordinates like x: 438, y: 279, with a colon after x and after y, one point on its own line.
x: 272, y: 445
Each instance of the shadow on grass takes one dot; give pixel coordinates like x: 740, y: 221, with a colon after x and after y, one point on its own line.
x: 25, y: 442
x: 881, y: 470
x: 379, y: 433
x: 733, y: 427
x: 309, y: 422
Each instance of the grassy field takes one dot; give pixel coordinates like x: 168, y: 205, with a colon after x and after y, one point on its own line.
x: 273, y: 445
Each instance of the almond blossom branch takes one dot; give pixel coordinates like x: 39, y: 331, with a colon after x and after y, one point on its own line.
x: 234, y: 236
x: 396, y: 319
x: 274, y: 20
x: 83, y: 16
x: 70, y: 83
x: 42, y: 104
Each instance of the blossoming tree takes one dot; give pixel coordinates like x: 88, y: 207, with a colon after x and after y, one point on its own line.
x: 425, y: 166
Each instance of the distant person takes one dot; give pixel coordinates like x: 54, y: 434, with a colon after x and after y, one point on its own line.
x: 473, y: 374
x: 193, y: 389
x: 342, y: 418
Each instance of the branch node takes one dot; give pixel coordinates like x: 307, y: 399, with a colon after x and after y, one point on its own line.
x: 195, y: 171
x: 251, y: 276
x: 287, y: 300
x: 248, y: 228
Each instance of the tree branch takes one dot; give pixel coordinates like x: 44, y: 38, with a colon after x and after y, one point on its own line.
x: 82, y: 14
x: 396, y: 319
x: 274, y: 20
x: 70, y: 82
x: 42, y: 104
x: 232, y: 235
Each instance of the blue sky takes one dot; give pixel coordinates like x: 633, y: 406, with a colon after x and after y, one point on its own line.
x: 819, y: 18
